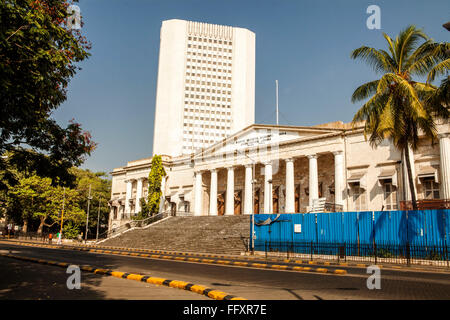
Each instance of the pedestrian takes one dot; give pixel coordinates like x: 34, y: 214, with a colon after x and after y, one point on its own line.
x: 58, y: 235
x: 50, y: 236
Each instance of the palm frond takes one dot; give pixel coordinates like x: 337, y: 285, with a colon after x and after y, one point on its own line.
x: 438, y: 70
x: 373, y: 57
x: 406, y: 42
x: 390, y: 46
x: 365, y: 90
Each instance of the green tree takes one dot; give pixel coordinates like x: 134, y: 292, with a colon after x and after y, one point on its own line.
x: 39, y: 200
x: 155, y: 176
x: 38, y: 57
x: 398, y: 107
x: 100, y: 186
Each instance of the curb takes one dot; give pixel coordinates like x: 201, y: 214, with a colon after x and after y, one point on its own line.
x: 209, y: 292
x: 229, y: 262
x: 230, y: 257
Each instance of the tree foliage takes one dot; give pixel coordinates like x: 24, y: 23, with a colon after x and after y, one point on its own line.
x: 38, y: 199
x: 155, y: 176
x: 36, y: 202
x: 100, y: 186
x: 38, y: 57
x: 399, y: 108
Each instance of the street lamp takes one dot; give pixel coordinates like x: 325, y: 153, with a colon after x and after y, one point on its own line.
x: 98, y: 217
x: 87, y: 215
x: 254, y: 181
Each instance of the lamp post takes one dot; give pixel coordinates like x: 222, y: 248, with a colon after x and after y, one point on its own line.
x: 87, y: 216
x: 253, y: 202
x: 98, y: 217
x: 62, y: 215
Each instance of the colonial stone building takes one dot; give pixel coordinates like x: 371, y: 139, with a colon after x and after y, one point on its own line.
x: 282, y: 169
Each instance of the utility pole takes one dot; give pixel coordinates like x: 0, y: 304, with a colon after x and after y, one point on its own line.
x: 87, y: 216
x: 98, y: 217
x: 62, y: 214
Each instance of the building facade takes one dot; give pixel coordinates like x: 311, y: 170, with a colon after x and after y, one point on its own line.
x: 206, y: 85
x: 282, y: 169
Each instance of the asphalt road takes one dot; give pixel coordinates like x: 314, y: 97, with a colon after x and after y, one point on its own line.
x: 24, y: 280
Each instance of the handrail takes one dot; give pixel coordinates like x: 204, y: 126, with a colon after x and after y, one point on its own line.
x: 132, y: 224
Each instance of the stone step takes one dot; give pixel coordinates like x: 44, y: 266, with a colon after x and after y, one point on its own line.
x: 220, y: 234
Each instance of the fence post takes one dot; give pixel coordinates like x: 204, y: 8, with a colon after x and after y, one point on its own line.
x: 345, y: 252
x: 446, y: 254
x: 265, y: 247
x: 375, y: 250
x: 311, y: 251
x: 408, y: 253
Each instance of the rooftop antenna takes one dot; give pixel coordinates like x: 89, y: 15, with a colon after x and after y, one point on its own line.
x: 276, y: 84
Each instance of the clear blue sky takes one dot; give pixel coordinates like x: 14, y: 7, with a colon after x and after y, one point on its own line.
x: 306, y: 45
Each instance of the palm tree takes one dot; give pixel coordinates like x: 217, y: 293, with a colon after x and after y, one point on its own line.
x: 399, y: 108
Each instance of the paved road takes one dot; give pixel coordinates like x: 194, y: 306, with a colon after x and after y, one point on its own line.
x: 25, y: 280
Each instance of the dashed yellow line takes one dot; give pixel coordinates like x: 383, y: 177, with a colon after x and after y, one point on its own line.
x: 211, y: 293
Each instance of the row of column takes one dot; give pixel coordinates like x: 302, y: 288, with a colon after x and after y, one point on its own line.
x: 248, y: 194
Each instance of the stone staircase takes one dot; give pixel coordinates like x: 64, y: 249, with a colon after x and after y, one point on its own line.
x: 220, y: 234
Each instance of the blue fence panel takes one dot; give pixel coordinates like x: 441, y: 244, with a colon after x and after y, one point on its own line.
x: 416, y: 228
x: 276, y: 234
x: 350, y: 227
x: 426, y: 228
x: 447, y: 226
x: 261, y: 232
x: 435, y: 227
x: 330, y: 227
x: 365, y: 227
x: 301, y: 236
x: 390, y: 227
x: 309, y: 231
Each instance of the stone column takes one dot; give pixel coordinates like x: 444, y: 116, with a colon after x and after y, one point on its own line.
x: 267, y: 187
x: 163, y: 186
x: 229, y: 201
x: 338, y: 177
x: 444, y: 151
x: 313, y: 179
x: 213, y: 194
x: 290, y: 188
x: 162, y: 204
x: 138, y: 195
x: 128, y: 196
x: 248, y: 202
x: 198, y: 194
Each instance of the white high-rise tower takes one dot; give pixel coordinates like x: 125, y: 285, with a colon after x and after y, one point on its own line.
x: 206, y: 85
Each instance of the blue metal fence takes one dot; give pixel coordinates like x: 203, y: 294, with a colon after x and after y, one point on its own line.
x: 417, y: 228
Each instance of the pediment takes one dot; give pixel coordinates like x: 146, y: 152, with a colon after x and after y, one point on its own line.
x: 261, y: 136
